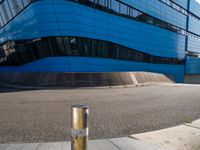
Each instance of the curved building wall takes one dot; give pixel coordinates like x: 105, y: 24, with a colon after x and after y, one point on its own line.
x: 87, y: 64
x: 48, y: 18
x: 160, y: 10
x: 63, y: 18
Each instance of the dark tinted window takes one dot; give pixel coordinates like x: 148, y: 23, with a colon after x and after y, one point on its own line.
x: 24, y: 51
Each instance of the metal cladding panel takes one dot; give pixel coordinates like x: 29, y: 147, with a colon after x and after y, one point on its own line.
x: 193, y: 45
x: 193, y: 65
x: 86, y: 64
x: 24, y: 26
x: 182, y: 3
x: 195, y: 7
x: 194, y: 25
x: 64, y: 18
x: 159, y: 10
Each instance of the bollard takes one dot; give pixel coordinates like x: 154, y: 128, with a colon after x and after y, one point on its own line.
x: 79, y: 127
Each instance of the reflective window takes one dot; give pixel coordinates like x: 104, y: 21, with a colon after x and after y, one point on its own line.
x: 115, y: 6
x: 13, y: 53
x: 10, y: 8
x: 123, y: 9
x: 119, y: 8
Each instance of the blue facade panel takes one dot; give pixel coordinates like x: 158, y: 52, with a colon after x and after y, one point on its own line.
x: 194, y: 25
x: 70, y: 19
x: 86, y: 64
x: 182, y: 3
x: 160, y: 10
x: 193, y: 62
x: 54, y: 18
x: 22, y: 27
x: 195, y: 7
x: 193, y: 45
x: 193, y: 65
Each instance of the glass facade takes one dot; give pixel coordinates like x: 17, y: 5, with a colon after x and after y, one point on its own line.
x: 120, y: 8
x: 181, y: 9
x: 14, y: 53
x: 154, y: 33
x: 11, y: 8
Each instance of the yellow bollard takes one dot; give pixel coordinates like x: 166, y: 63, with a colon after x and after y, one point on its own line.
x: 79, y: 127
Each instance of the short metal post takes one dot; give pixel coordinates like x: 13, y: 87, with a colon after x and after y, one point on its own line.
x: 79, y: 125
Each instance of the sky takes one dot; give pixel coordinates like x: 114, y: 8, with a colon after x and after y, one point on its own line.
x: 198, y: 1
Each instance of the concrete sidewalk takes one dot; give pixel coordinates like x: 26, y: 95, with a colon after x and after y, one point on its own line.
x: 183, y: 137
x: 105, y: 144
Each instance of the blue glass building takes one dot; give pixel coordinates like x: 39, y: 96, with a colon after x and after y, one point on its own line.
x: 161, y: 36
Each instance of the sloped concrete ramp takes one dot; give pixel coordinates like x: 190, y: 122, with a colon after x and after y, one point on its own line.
x: 75, y: 80
x: 147, y: 77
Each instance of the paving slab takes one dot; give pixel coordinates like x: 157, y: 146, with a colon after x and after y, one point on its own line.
x: 50, y: 146
x: 4, y: 146
x: 94, y: 145
x: 182, y: 137
x: 132, y: 144
x: 104, y: 144
x: 18, y: 146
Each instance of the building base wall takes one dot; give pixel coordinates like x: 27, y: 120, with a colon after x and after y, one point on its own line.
x: 87, y: 64
x: 75, y: 80
x: 192, y: 79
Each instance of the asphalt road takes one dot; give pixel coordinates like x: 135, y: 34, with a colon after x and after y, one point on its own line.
x: 44, y: 115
